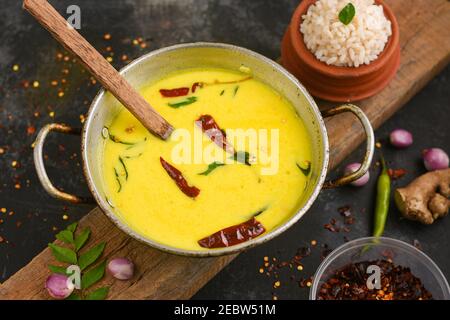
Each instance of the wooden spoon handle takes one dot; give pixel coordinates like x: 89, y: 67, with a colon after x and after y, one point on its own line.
x: 101, y: 69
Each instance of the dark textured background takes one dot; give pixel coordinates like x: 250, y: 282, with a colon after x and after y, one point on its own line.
x: 257, y: 25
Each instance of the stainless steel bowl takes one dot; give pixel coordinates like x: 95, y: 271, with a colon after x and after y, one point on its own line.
x: 158, y: 64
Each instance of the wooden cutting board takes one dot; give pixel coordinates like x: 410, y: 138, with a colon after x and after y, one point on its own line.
x: 425, y: 44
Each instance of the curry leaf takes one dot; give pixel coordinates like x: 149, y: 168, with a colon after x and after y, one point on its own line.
x: 93, y: 276
x: 57, y: 269
x: 182, y: 103
x: 90, y: 256
x: 305, y: 167
x: 72, y: 227
x: 242, y: 157
x: 99, y: 294
x: 81, y: 239
x: 347, y: 14
x: 65, y: 236
x: 236, y: 89
x: 73, y: 296
x: 211, y: 168
x: 63, y: 254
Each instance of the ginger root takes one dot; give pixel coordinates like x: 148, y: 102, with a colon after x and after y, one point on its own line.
x: 426, y: 198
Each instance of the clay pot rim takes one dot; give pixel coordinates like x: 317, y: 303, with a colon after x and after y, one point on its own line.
x: 335, y: 71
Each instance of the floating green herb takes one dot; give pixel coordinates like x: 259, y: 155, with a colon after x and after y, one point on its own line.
x: 222, y: 92
x: 133, y: 157
x: 118, y: 180
x: 211, y: 168
x: 347, y: 14
x: 83, y: 260
x: 256, y: 214
x: 242, y: 157
x: 236, y: 89
x: 124, y: 167
x: 305, y: 167
x: 106, y: 134
x: 182, y: 103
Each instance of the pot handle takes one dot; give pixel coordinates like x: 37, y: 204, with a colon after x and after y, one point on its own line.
x: 40, y: 167
x: 370, y: 138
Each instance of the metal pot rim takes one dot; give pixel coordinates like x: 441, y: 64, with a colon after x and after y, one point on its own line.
x: 105, y: 207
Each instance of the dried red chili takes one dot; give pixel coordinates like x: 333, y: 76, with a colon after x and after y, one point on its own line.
x: 396, y: 173
x: 181, y: 182
x: 172, y: 93
x: 213, y: 131
x: 233, y: 235
x: 196, y: 85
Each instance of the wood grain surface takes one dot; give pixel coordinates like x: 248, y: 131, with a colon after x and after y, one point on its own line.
x: 98, y: 66
x: 425, y: 51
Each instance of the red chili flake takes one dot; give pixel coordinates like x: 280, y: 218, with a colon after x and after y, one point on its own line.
x: 31, y: 130
x: 330, y: 227
x: 196, y: 85
x: 233, y: 235
x: 210, y: 127
x: 345, y: 211
x: 181, y: 182
x: 172, y: 93
x: 396, y: 173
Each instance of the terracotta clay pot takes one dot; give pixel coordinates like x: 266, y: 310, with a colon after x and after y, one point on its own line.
x: 340, y: 84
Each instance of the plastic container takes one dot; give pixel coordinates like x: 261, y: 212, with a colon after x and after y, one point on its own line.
x: 401, y: 253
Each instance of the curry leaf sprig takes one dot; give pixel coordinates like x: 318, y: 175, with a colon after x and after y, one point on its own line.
x: 347, y: 14
x: 72, y: 254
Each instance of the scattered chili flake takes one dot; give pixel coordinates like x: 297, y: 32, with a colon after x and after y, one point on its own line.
x: 2, y: 239
x: 52, y: 114
x: 313, y: 242
x: 35, y: 84
x: 107, y: 36
x: 345, y: 211
x: 15, y: 67
x: 17, y: 186
x: 396, y: 173
x: 143, y: 45
x: 65, y: 217
x: 261, y: 270
x: 350, y: 283
x: 378, y: 145
x: 135, y: 42
x: 31, y: 130
x: 109, y: 59
x: 196, y: 85
x: 2, y: 151
x: 330, y: 227
x: 299, y: 267
x: 66, y: 58
x: 3, y: 210
x: 54, y: 83
x: 124, y: 57
x: 277, y: 284
x: 14, y: 164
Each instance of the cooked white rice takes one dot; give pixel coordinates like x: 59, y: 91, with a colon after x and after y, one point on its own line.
x: 352, y: 45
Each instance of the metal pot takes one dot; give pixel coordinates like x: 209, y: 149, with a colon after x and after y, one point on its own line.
x: 160, y: 63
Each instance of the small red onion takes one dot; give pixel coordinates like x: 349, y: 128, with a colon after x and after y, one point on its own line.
x: 435, y: 159
x: 353, y: 167
x: 121, y: 268
x: 57, y: 287
x: 401, y: 138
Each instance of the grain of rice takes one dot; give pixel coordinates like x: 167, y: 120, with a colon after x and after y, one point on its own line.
x: 352, y: 45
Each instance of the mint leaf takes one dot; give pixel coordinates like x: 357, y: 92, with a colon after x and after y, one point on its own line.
x: 211, y: 168
x: 73, y: 296
x: 182, y: 103
x: 93, y: 276
x: 65, y: 236
x: 63, y: 254
x: 99, y: 294
x: 57, y: 269
x: 81, y: 239
x: 347, y: 14
x: 72, y: 227
x: 90, y: 256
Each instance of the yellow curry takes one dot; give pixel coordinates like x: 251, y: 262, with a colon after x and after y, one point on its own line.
x: 236, y: 166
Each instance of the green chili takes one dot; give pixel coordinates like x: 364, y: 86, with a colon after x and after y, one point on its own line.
x: 382, y: 200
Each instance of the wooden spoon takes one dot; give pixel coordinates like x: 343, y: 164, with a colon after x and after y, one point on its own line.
x: 101, y: 69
